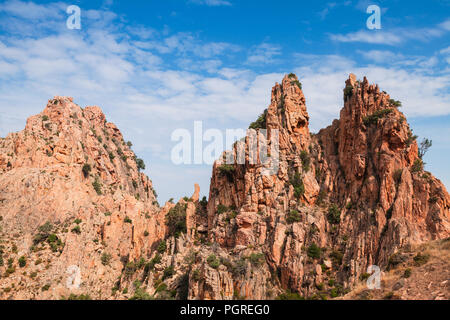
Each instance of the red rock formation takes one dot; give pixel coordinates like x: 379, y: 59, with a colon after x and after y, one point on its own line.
x: 340, y: 200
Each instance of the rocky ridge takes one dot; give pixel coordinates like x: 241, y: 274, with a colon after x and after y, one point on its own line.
x: 350, y: 196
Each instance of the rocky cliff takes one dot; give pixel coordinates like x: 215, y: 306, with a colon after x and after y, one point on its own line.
x: 343, y: 199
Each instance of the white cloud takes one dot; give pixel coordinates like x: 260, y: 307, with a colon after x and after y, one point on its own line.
x: 264, y: 53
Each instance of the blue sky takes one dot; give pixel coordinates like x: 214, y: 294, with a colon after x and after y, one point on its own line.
x: 156, y: 66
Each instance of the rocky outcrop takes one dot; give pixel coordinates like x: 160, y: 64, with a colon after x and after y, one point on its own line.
x: 71, y: 170
x: 343, y: 199
x: 303, y: 218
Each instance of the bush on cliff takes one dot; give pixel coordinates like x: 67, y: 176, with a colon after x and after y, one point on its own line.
x: 176, y: 220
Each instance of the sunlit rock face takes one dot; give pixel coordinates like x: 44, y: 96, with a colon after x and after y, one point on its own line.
x: 75, y: 206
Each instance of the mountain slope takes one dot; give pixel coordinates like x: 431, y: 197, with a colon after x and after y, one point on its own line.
x: 350, y: 196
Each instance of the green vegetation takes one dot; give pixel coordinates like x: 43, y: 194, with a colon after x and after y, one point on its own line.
x: 293, y: 216
x: 348, y: 92
x: 73, y: 296
x: 407, y: 273
x: 334, y: 214
x: 288, y: 295
x: 86, y: 169
x: 76, y: 229
x: 424, y: 146
x: 140, y: 164
x: 373, y: 118
x: 97, y: 186
x: 256, y: 259
x: 297, y: 182
x: 420, y: 259
x: 162, y: 246
x: 227, y: 170
x: 221, y: 209
x: 306, y: 159
x: 44, y: 118
x: 411, y: 138
x: 168, y: 272
x: 213, y: 262
x: 111, y: 156
x: 106, y: 258
x: 417, y: 166
x: 260, y: 123
x: 46, y: 287
x: 127, y: 220
x: 314, y: 251
x: 396, y: 103
x: 176, y: 220
x: 22, y: 261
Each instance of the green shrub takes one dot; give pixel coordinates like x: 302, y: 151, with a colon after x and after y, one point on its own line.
x: 97, y: 186
x: 336, y: 256
x: 314, y: 251
x: 140, y: 294
x: 22, y: 261
x: 407, y: 273
x: 334, y: 214
x: 348, y: 92
x: 373, y: 118
x: 213, y: 262
x: 76, y: 229
x: 111, y: 156
x: 106, y: 258
x: 306, y: 160
x: 417, y: 166
x: 227, y: 170
x: 140, y: 164
x: 221, y: 209
x: 176, y: 219
x: 146, y: 233
x: 260, y: 123
x: 73, y: 296
x: 168, y: 272
x: 297, y: 182
x: 288, y: 295
x: 44, y: 118
x: 293, y: 216
x: 420, y: 259
x: 395, y: 102
x: 364, y: 276
x: 86, y: 169
x: 127, y: 220
x: 46, y: 287
x: 256, y: 259
x: 77, y: 221
x: 162, y: 246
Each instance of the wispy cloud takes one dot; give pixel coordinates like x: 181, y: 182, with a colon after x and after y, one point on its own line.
x: 264, y: 53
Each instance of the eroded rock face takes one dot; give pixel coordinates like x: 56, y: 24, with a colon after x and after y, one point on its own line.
x: 69, y: 164
x: 355, y: 191
x: 340, y: 200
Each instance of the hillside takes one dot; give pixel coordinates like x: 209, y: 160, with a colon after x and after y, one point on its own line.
x: 75, y: 209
